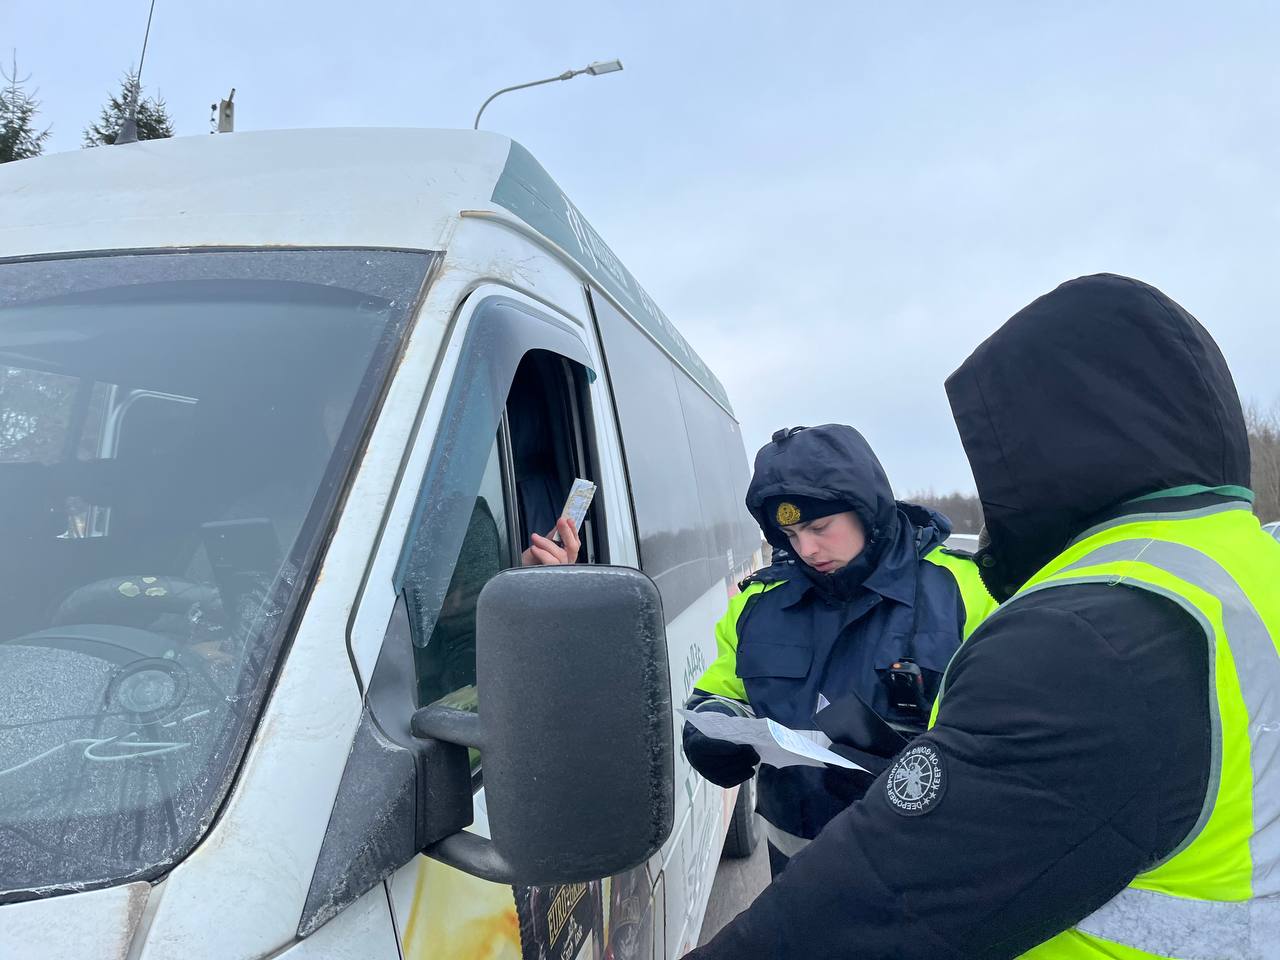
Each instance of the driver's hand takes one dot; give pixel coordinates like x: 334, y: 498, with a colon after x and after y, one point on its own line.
x: 543, y: 551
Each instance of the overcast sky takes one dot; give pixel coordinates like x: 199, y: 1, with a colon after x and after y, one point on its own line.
x: 835, y: 202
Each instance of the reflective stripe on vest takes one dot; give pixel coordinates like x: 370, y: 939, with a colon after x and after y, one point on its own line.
x: 1166, y: 926
x: 1217, y: 897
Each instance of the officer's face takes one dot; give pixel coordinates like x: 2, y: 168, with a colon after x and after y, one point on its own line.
x: 829, y: 543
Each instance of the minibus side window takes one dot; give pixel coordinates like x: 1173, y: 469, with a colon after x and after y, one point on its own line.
x: 550, y: 446
x: 540, y: 446
x: 676, y: 548
x: 446, y: 664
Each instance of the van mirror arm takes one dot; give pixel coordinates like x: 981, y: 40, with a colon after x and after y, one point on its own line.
x: 448, y: 724
x: 475, y: 855
x: 464, y: 851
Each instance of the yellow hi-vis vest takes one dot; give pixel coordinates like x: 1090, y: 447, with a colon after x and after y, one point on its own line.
x: 1217, y: 896
x: 721, y: 678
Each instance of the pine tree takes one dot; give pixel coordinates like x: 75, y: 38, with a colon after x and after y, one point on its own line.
x: 18, y: 137
x: 1264, y: 452
x: 153, y: 116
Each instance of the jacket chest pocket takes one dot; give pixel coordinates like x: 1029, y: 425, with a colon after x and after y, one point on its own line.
x: 775, y: 676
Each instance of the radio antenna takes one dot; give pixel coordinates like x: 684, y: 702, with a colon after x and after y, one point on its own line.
x: 129, y: 128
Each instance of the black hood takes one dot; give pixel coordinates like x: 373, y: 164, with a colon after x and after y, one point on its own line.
x: 834, y: 462
x: 1100, y: 392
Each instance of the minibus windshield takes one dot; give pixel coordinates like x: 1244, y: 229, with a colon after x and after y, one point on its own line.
x: 175, y: 431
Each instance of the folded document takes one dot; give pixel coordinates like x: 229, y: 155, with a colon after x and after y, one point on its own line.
x: 777, y: 745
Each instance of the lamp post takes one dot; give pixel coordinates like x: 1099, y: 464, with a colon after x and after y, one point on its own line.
x: 593, y: 69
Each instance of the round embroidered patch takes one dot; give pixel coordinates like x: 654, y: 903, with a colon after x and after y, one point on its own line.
x: 916, y: 781
x: 787, y: 514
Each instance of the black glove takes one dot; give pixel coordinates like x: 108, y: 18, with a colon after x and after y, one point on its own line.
x: 849, y: 786
x: 723, y: 763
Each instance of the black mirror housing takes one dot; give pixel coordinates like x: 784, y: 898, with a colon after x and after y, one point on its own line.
x: 574, y: 726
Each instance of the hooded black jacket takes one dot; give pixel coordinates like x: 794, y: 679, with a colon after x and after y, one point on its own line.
x: 1074, y: 732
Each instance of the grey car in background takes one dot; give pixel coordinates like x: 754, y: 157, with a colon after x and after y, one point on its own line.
x: 968, y: 542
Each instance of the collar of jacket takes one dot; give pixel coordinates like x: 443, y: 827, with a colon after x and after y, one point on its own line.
x: 894, y: 577
x: 1164, y: 502
x: 1174, y: 501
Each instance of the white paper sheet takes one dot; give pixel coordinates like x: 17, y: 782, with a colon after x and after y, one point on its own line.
x: 777, y: 745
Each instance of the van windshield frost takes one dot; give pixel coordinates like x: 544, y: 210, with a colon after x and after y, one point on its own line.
x: 175, y: 429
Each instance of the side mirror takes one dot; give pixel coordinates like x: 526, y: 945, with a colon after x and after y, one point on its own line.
x: 574, y: 726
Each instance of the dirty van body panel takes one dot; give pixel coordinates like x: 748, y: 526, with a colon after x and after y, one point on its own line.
x: 393, y: 797
x: 382, y: 188
x: 102, y: 925
x: 365, y: 930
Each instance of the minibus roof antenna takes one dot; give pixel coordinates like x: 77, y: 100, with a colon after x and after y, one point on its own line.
x: 128, y: 132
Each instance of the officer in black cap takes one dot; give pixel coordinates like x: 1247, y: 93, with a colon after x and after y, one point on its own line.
x: 847, y: 641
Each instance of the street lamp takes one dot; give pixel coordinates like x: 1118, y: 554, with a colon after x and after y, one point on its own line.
x: 594, y: 69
